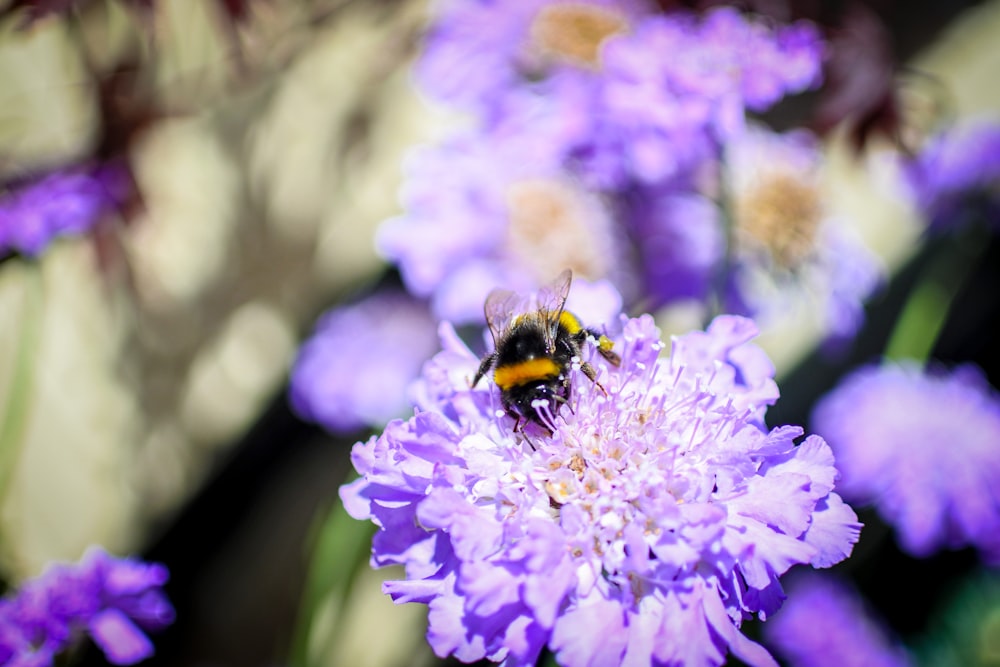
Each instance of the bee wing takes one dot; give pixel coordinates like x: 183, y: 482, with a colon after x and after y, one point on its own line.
x: 500, y: 308
x: 551, y: 301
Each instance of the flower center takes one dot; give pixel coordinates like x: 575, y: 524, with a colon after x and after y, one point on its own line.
x: 573, y: 32
x: 781, y: 213
x: 553, y: 225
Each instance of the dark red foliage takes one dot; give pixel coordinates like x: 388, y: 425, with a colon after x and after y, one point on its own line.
x: 860, y: 79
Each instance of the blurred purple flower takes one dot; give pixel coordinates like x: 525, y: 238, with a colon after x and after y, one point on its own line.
x: 789, y: 250
x: 643, y: 529
x: 490, y: 209
x: 826, y: 624
x: 958, y: 170
x: 63, y: 203
x: 922, y: 448
x: 644, y: 97
x: 675, y: 90
x: 478, y: 51
x: 681, y: 242
x: 353, y: 372
x: 114, y: 600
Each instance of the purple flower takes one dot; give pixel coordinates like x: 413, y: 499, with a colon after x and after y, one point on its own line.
x: 826, y: 624
x: 492, y: 209
x: 674, y: 91
x: 790, y: 252
x: 650, y: 520
x: 957, y: 169
x: 479, y: 51
x: 681, y: 242
x: 63, y: 203
x: 922, y: 448
x: 353, y: 372
x: 113, y: 600
x: 643, y: 97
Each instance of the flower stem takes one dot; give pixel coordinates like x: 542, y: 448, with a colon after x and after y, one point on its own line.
x: 340, y: 545
x: 926, y: 310
x: 717, y: 297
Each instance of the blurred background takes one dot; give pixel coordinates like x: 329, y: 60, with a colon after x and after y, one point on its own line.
x: 144, y: 366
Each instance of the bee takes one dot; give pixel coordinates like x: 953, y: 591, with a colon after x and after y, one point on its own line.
x: 534, y: 349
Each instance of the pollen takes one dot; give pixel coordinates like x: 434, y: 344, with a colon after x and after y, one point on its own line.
x: 558, y: 491
x: 574, y: 32
x: 780, y: 213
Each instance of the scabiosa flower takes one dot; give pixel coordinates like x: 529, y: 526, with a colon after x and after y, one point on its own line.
x: 681, y: 243
x: 922, y: 448
x: 490, y: 209
x: 957, y: 175
x: 642, y: 527
x: 63, y: 203
x: 826, y: 624
x: 114, y: 600
x: 478, y: 52
x: 789, y: 250
x: 353, y: 372
x: 673, y: 92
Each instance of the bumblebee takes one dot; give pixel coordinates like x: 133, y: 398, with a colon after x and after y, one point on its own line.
x: 534, y: 349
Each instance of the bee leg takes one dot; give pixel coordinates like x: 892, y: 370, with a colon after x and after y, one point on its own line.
x: 530, y: 443
x: 591, y: 374
x: 517, y: 423
x: 484, y: 366
x: 609, y: 354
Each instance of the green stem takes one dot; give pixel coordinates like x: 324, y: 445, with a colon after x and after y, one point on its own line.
x: 14, y: 418
x: 341, y: 544
x: 721, y: 273
x: 926, y: 310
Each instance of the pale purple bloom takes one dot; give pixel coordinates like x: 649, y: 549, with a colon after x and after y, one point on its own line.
x: 922, y: 448
x: 479, y: 51
x: 655, y: 96
x: 673, y: 92
x: 825, y: 623
x: 789, y: 250
x: 642, y: 530
x: 549, y: 177
x: 113, y: 600
x: 63, y: 203
x: 354, y: 369
x: 958, y: 170
x: 486, y: 210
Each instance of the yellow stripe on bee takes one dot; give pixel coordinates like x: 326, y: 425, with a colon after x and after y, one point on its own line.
x: 512, y: 375
x: 569, y: 322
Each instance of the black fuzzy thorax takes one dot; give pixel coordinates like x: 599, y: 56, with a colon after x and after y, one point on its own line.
x: 525, y: 341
